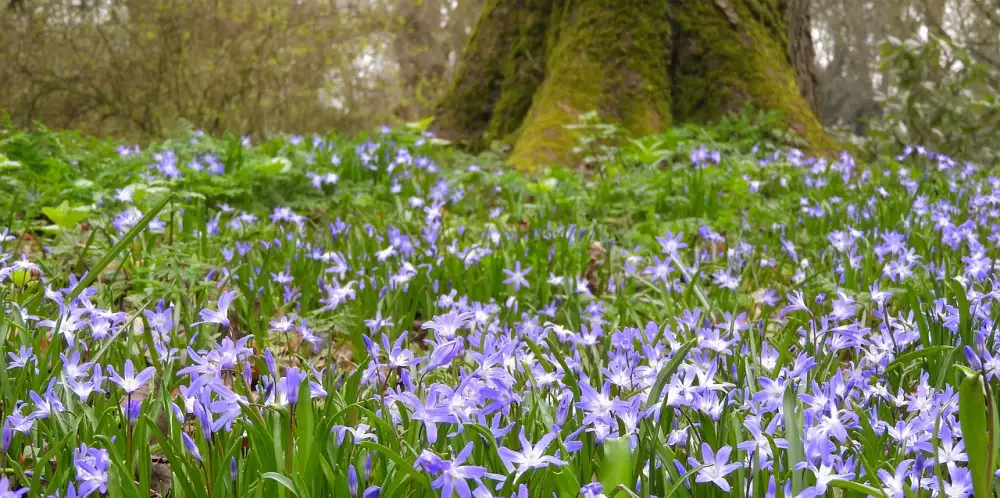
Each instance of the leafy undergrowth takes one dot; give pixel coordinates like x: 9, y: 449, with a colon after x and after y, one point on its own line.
x: 384, y: 316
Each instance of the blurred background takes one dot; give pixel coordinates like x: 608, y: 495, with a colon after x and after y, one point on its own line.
x: 920, y: 71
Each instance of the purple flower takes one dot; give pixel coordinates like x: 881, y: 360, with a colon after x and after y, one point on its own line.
x: 70, y: 492
x: 131, y: 382
x: 337, y: 294
x: 219, y: 315
x: 671, y: 244
x: 443, y: 354
x: 961, y: 482
x: 448, y: 324
x: 797, y: 302
x: 132, y: 409
x: 531, y: 456
x: 47, y: 403
x: 21, y: 359
x: 716, y: 466
x: 292, y: 382
x: 659, y: 270
x: 429, y: 415
x: 352, y: 481
x: 894, y: 485
x: 376, y: 324
x: 453, y: 477
x: 429, y: 462
x: 516, y: 276
x: 824, y: 474
x: 6, y: 435
x: 92, y: 466
x: 162, y: 319
x: 592, y: 490
x: 398, y: 356
x: 7, y: 492
x: 358, y: 434
x: 191, y: 446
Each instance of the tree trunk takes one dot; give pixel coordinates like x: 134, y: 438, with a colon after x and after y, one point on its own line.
x: 534, y: 66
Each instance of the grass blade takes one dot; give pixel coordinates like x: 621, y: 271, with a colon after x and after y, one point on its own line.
x: 668, y: 370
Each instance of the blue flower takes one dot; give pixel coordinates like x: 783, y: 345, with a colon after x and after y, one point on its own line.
x: 531, y: 456
x: 716, y: 466
x: 516, y: 276
x: 7, y: 492
x: 220, y: 315
x: 454, y: 475
x: 131, y: 382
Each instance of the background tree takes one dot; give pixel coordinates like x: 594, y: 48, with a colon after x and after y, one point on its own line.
x: 532, y: 67
x: 133, y: 68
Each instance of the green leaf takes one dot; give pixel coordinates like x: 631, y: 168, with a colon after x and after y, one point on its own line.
x: 275, y: 166
x: 905, y: 359
x: 857, y: 486
x: 403, y: 465
x: 178, y: 461
x: 566, y: 483
x: 972, y: 417
x: 793, y: 434
x: 616, y: 470
x: 282, y: 480
x: 668, y: 370
x: 66, y: 216
x: 7, y: 163
x: 421, y: 125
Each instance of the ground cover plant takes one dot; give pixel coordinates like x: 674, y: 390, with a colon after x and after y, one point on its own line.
x: 381, y: 316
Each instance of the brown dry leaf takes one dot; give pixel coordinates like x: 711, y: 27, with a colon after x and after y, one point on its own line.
x: 596, y: 251
x: 343, y: 356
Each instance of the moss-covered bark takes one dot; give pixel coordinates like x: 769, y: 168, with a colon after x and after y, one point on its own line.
x: 501, y: 68
x: 535, y: 66
x: 729, y: 52
x: 604, y: 55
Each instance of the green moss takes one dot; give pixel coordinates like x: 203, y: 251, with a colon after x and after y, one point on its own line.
x: 523, y: 72
x: 499, y: 70
x: 719, y: 66
x: 606, y: 56
x: 534, y: 66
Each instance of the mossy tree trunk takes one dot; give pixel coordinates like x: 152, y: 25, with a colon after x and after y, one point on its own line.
x: 534, y: 66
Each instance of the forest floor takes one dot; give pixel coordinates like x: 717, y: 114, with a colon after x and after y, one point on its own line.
x: 705, y: 311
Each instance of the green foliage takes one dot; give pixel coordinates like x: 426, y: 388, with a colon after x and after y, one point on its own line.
x: 166, y: 227
x: 66, y: 216
x: 941, y: 98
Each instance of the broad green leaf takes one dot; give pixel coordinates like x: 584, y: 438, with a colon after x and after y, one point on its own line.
x: 66, y: 216
x: 973, y: 419
x: 274, y: 166
x: 793, y: 434
x: 616, y: 468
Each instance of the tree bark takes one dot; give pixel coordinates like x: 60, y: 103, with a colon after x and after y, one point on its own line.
x: 532, y: 67
x: 801, y: 51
